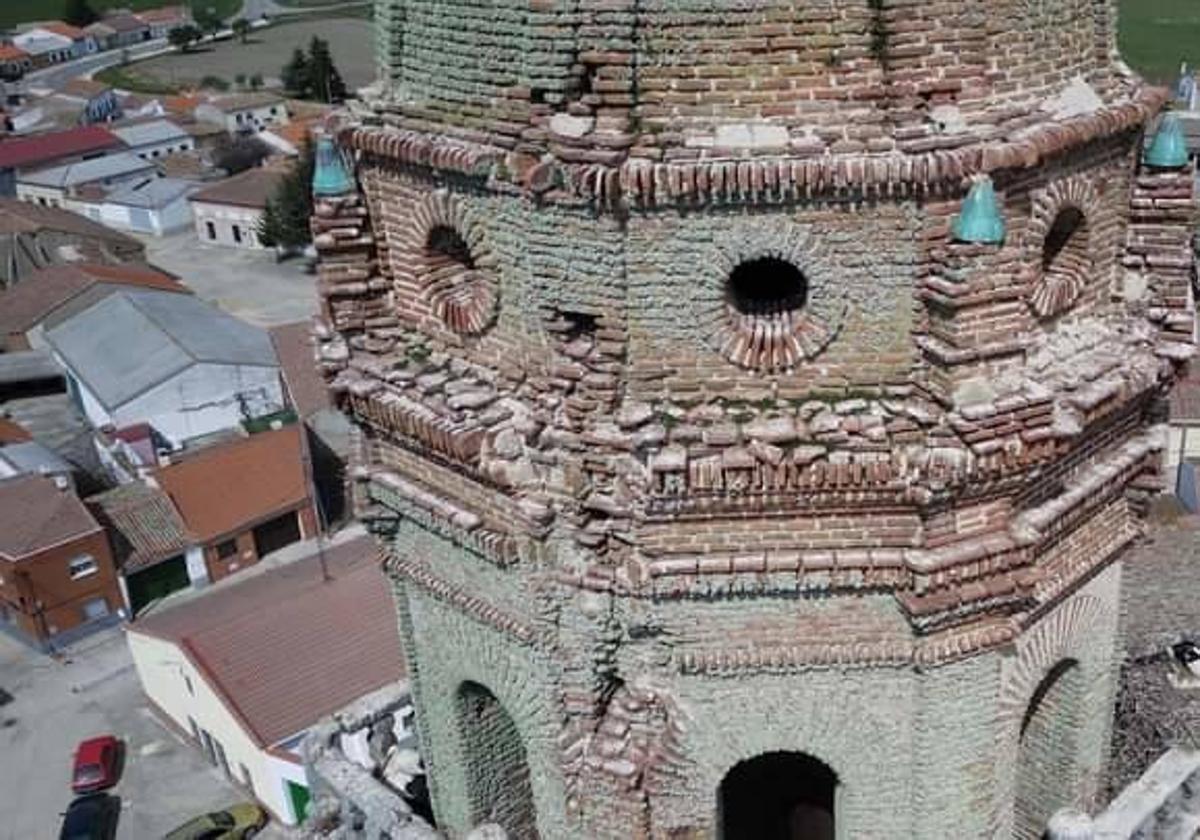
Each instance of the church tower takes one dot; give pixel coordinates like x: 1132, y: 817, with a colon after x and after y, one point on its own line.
x: 754, y: 402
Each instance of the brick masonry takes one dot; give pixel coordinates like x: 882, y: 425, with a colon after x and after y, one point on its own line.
x: 652, y: 533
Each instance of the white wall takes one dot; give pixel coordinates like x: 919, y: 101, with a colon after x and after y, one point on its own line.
x: 162, y: 668
x: 223, y: 217
x: 48, y: 196
x: 151, y: 151
x: 199, y: 400
x: 197, y: 569
x: 203, y: 399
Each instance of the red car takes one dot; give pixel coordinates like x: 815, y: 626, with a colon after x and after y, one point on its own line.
x: 97, y: 763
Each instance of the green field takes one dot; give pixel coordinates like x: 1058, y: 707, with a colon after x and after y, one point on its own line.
x: 13, y: 12
x: 1158, y: 34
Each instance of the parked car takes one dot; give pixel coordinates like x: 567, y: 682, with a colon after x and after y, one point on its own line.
x: 97, y: 764
x: 91, y: 817
x: 236, y: 822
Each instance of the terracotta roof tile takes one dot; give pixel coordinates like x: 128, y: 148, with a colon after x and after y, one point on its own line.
x: 23, y: 217
x: 66, y: 30
x: 8, y: 52
x: 35, y: 514
x: 142, y: 523
x: 33, y: 299
x: 287, y: 648
x: 1185, y: 398
x: 44, y: 148
x: 251, y: 188
x: 297, y: 360
x: 225, y: 487
x: 13, y: 432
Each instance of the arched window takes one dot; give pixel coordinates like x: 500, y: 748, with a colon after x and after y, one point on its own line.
x: 498, y: 784
x: 1046, y: 766
x: 1066, y: 264
x: 461, y: 296
x: 777, y: 796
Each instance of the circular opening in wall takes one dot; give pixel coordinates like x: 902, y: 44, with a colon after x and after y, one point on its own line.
x: 447, y: 244
x: 767, y: 286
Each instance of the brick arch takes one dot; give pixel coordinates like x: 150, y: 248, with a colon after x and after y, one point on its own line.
x: 1053, y: 287
x: 1064, y: 637
x: 460, y: 289
x: 768, y: 343
x: 499, y: 786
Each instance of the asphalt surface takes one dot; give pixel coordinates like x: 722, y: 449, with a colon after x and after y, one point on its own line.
x: 58, y: 75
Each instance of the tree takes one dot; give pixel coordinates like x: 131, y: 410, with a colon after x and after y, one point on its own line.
x: 241, y: 28
x: 214, y: 83
x: 240, y: 80
x: 183, y: 36
x: 256, y: 81
x: 295, y: 74
x: 79, y: 13
x: 238, y: 154
x: 284, y: 223
x: 326, y: 83
x: 209, y: 23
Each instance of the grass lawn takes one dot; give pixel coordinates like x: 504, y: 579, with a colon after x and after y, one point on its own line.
x: 1158, y: 34
x: 13, y: 12
x: 128, y: 78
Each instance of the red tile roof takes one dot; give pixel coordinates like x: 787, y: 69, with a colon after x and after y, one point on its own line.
x: 8, y: 52
x: 64, y: 29
x: 286, y: 648
x: 167, y: 14
x: 35, y: 514
x: 33, y: 299
x: 143, y: 525
x: 45, y: 148
x: 227, y: 487
x: 305, y: 385
x: 13, y: 432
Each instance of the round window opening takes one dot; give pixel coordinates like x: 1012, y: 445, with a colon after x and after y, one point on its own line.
x: 769, y: 323
x: 767, y: 287
x: 1066, y: 264
x: 461, y: 294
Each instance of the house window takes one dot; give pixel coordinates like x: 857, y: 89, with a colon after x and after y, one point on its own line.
x: 237, y: 234
x: 273, y: 110
x: 211, y: 230
x: 82, y: 566
x: 246, y: 778
x: 94, y: 609
x: 239, y: 119
x: 226, y: 549
x: 187, y: 681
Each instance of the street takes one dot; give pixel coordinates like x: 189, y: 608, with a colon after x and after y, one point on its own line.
x: 54, y: 77
x: 93, y: 690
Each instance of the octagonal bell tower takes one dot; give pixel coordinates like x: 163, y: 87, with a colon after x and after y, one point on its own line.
x: 754, y: 403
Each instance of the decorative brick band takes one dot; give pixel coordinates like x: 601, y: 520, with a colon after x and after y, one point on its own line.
x: 477, y: 608
x: 417, y: 148
x: 460, y: 442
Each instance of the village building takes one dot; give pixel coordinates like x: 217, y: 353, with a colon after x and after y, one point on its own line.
x: 14, y: 62
x: 120, y: 30
x: 154, y: 205
x: 104, y: 35
x: 57, y: 580
x: 43, y: 151
x: 161, y: 21
x: 55, y: 186
x: 34, y: 237
x: 45, y: 47
x: 81, y: 42
x: 757, y: 445
x: 151, y: 139
x: 228, y: 212
x: 244, y: 113
x: 246, y: 669
x: 170, y: 360
x: 55, y: 293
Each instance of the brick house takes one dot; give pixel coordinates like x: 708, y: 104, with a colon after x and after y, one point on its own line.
x: 57, y: 579
x: 242, y: 499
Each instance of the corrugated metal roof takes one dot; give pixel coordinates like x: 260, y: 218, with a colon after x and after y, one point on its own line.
x: 287, y: 648
x: 30, y: 457
x: 141, y: 134
x: 133, y: 340
x: 152, y: 194
x: 27, y: 366
x: 87, y: 171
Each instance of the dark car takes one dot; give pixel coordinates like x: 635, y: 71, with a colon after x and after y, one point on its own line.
x: 96, y: 764
x: 92, y: 817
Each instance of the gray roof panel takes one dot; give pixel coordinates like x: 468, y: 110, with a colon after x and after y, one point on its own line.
x: 87, y: 171
x: 131, y: 341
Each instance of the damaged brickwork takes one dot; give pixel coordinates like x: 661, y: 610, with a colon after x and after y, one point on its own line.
x: 693, y: 435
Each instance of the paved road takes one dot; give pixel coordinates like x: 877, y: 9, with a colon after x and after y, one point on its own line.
x: 94, y: 689
x: 255, y: 9
x: 58, y: 75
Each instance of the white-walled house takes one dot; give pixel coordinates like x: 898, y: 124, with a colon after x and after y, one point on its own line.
x: 173, y: 361
x: 154, y: 138
x: 152, y: 205
x: 243, y: 113
x: 246, y: 668
x: 54, y: 186
x: 227, y: 212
